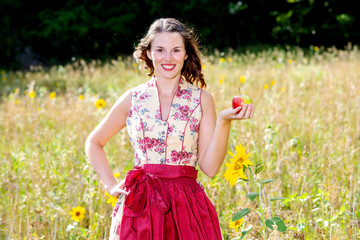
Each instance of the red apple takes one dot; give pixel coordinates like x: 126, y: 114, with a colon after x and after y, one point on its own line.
x: 240, y: 101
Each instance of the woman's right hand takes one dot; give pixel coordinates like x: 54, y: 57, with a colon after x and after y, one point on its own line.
x: 118, y: 189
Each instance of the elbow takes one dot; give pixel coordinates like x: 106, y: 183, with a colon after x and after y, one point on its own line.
x: 90, y: 143
x: 210, y: 172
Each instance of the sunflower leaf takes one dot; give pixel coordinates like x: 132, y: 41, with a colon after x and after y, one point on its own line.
x: 268, y: 180
x: 258, y: 164
x: 259, y: 169
x: 240, y: 214
x: 279, y: 223
x: 252, y: 195
x: 269, y: 223
x: 243, y: 233
x: 278, y: 198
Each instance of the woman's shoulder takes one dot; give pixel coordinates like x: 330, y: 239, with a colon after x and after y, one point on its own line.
x: 206, y: 99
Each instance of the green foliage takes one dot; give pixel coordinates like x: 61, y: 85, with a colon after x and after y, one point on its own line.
x: 49, y: 33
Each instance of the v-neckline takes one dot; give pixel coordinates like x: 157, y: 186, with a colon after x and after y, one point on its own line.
x: 172, y: 100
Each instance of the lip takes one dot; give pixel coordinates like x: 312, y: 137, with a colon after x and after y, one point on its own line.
x: 168, y: 67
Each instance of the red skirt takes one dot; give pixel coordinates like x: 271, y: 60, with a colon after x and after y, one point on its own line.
x: 164, y: 202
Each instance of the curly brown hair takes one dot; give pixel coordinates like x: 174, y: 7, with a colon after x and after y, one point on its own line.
x: 192, y: 65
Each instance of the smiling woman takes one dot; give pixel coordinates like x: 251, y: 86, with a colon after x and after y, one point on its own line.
x: 173, y: 128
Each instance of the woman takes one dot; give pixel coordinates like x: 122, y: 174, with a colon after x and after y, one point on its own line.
x: 173, y: 127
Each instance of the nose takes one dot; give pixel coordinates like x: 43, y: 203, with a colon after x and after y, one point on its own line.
x: 168, y: 55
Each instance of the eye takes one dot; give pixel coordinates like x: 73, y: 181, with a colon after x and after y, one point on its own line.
x: 177, y: 50
x: 159, y: 50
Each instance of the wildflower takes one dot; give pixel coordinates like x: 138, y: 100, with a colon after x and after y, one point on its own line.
x: 32, y: 94
x: 203, y: 66
x: 78, y: 213
x: 273, y: 82
x: 266, y: 86
x: 222, y: 60
x: 81, y: 97
x: 117, y: 174
x: 316, y: 48
x: 236, y: 167
x: 38, y: 109
x: 221, y: 80
x: 135, y: 65
x: 242, y: 79
x: 229, y: 59
x: 290, y: 61
x: 100, y: 103
x: 111, y: 200
x: 52, y: 95
x: 236, y: 224
x: 16, y: 90
x: 282, y: 89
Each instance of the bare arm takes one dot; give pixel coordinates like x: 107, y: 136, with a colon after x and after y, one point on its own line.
x: 214, y: 133
x: 111, y: 124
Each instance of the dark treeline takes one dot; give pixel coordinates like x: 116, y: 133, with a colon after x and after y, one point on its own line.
x: 54, y: 32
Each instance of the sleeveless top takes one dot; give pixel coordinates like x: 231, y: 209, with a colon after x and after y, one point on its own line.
x: 172, y: 141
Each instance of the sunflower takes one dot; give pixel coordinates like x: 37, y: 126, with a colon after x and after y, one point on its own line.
x: 236, y: 224
x: 236, y: 167
x: 100, y: 103
x: 78, y: 213
x: 52, y: 95
x: 111, y: 200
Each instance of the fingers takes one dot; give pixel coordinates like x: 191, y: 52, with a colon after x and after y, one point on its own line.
x: 246, y: 112
x: 119, y: 189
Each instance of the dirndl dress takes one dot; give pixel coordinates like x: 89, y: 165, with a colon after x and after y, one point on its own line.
x: 165, y: 199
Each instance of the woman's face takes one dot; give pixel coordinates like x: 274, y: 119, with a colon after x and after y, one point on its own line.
x: 167, y: 54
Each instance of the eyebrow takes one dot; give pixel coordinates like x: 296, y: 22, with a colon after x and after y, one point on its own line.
x: 163, y: 47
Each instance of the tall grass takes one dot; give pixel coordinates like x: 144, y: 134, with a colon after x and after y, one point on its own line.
x: 305, y: 129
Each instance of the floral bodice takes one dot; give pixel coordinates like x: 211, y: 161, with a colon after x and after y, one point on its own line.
x: 173, y: 141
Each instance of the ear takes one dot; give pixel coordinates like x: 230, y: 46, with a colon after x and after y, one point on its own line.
x: 148, y: 54
x: 186, y: 56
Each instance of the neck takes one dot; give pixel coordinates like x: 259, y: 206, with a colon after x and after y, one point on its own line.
x: 167, y: 87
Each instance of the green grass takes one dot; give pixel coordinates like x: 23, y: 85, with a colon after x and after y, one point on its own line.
x: 306, y: 129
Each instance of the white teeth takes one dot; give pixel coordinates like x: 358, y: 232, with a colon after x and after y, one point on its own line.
x: 168, y: 66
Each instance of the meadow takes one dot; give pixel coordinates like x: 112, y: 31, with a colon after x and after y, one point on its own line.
x: 305, y: 130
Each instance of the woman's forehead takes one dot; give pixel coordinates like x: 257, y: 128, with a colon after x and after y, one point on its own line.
x: 168, y: 39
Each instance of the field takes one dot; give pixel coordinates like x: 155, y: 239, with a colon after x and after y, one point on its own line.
x: 306, y: 130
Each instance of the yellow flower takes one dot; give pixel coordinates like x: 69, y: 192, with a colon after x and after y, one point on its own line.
x: 32, y: 94
x: 100, y: 103
x: 78, y: 213
x: 111, y: 200
x: 273, y: 82
x: 222, y: 60
x: 117, y: 174
x: 203, y: 66
x: 229, y: 59
x: 283, y: 89
x: 236, y: 167
x: 316, y: 48
x: 290, y: 61
x: 242, y: 79
x: 266, y: 86
x: 52, y: 95
x: 16, y: 90
x: 81, y: 97
x: 221, y: 80
x: 236, y: 224
x: 135, y: 64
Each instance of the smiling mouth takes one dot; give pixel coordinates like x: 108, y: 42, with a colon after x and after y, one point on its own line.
x: 168, y: 67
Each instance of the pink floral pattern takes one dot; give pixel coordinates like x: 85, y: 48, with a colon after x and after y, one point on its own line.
x: 173, y: 141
